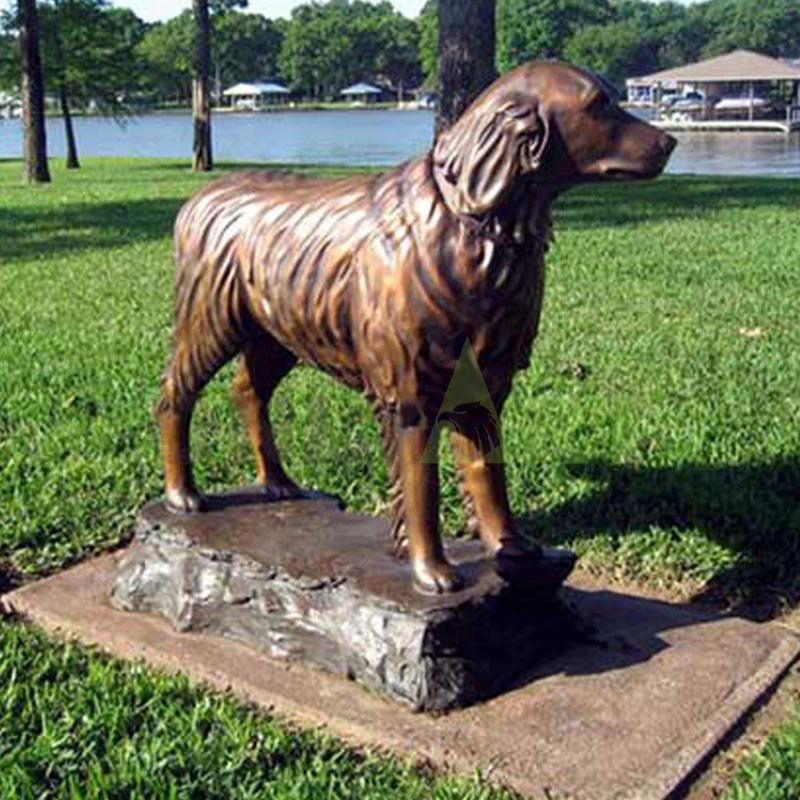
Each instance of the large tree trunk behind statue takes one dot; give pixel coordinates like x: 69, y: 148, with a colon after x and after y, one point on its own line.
x: 466, y: 55
x: 34, y: 139
x: 201, y: 96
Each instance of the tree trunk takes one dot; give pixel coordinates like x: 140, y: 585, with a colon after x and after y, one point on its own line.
x: 34, y: 137
x: 201, y: 96
x: 466, y: 55
x: 69, y: 130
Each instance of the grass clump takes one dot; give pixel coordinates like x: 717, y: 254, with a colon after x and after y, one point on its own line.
x: 773, y: 772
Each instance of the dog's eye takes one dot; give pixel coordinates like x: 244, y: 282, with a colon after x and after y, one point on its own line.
x: 517, y: 110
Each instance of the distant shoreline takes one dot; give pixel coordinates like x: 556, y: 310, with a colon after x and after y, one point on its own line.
x: 184, y: 110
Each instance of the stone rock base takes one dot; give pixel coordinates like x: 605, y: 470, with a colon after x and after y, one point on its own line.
x: 303, y: 580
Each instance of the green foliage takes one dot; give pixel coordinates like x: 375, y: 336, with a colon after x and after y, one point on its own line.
x: 9, y: 62
x: 319, y: 51
x: 166, y: 51
x: 529, y: 29
x: 672, y: 33
x: 773, y: 771
x: 616, y: 51
x: 769, y: 26
x: 224, y: 6
x: 633, y: 37
x: 245, y: 47
x: 329, y: 45
x: 429, y: 43
x: 93, y: 68
x: 75, y: 724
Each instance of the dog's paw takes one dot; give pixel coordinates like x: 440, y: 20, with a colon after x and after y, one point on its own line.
x: 517, y: 560
x: 521, y: 562
x: 276, y: 492
x: 180, y: 501
x: 515, y: 548
x: 435, y: 577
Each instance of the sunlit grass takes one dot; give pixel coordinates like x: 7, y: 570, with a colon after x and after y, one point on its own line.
x: 74, y: 724
x: 656, y: 432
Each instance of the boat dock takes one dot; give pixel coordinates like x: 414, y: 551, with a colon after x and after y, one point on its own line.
x: 739, y: 91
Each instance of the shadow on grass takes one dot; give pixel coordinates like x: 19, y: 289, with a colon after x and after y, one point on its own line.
x: 10, y: 578
x: 752, y: 509
x: 270, y: 166
x: 671, y: 198
x: 31, y: 232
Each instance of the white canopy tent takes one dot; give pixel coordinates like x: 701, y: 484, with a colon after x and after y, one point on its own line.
x: 362, y: 92
x: 250, y: 95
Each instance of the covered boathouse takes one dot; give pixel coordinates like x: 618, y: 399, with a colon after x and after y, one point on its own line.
x: 742, y: 90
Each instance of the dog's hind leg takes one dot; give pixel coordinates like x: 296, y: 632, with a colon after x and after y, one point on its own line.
x: 210, y: 327
x: 193, y: 363
x: 264, y: 364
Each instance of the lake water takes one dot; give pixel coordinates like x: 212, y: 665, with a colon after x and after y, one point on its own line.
x: 379, y: 138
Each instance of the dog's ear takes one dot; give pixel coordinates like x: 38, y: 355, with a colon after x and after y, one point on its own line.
x: 481, y: 156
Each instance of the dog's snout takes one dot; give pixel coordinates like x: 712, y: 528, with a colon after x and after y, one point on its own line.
x: 668, y: 143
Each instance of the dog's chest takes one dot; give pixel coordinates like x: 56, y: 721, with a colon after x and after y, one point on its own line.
x: 504, y: 319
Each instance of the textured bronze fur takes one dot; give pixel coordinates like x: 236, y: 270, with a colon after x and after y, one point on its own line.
x: 379, y: 280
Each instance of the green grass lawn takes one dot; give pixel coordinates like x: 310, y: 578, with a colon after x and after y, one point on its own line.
x: 657, y: 432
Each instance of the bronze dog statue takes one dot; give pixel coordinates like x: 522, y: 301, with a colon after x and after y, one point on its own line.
x: 380, y: 280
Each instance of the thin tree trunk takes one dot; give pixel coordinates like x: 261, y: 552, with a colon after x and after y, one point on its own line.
x: 466, y: 55
x: 69, y: 130
x: 201, y: 98
x: 34, y: 137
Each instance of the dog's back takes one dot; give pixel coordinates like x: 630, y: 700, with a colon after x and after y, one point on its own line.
x: 271, y: 250
x: 318, y: 264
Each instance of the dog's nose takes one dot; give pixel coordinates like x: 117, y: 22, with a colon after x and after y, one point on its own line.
x: 668, y: 143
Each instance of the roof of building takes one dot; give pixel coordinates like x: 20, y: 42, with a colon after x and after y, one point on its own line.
x: 258, y: 87
x: 740, y: 65
x: 362, y: 88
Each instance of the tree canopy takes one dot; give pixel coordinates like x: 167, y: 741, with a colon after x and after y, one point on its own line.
x: 9, y: 62
x: 90, y: 68
x: 329, y: 45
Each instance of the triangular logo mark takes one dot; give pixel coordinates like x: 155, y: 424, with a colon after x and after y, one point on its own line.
x: 468, y: 408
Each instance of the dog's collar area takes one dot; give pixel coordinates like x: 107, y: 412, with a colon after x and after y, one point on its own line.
x: 514, y: 232
x: 490, y: 227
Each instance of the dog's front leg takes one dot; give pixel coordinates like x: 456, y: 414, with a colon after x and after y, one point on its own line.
x: 420, y: 485
x: 483, y: 481
x: 483, y: 486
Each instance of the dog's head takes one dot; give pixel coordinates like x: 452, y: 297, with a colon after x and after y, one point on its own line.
x: 546, y: 122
